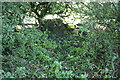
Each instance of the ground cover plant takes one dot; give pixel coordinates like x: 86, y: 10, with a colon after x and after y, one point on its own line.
x: 82, y: 42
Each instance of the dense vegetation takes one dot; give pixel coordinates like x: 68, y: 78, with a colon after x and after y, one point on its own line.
x: 52, y: 48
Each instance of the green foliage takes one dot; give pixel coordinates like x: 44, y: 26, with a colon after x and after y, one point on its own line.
x: 41, y: 56
x: 29, y: 52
